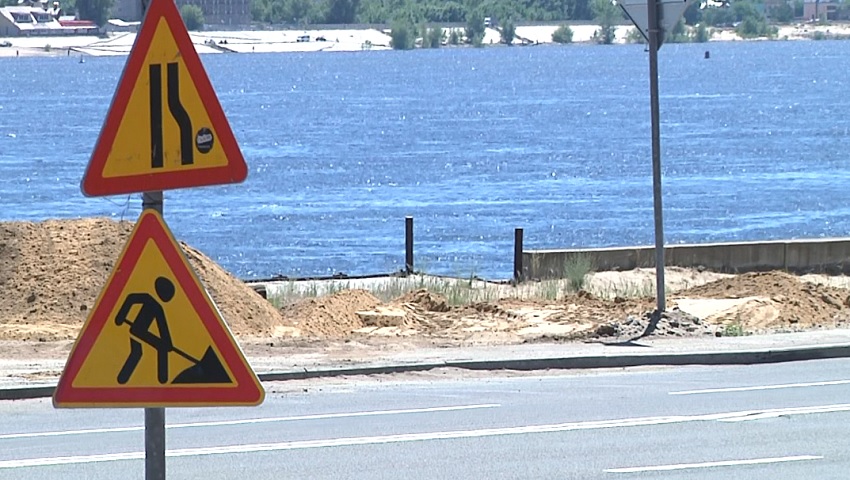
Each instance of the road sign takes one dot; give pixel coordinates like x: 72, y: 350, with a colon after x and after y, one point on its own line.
x: 165, y: 128
x: 155, y: 338
x: 669, y: 13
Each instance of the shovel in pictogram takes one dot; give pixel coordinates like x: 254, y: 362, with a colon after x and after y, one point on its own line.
x: 207, y: 369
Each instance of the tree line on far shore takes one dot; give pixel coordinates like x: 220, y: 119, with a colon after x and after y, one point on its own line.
x: 748, y: 20
x: 311, y: 12
x: 417, y: 12
x: 412, y: 20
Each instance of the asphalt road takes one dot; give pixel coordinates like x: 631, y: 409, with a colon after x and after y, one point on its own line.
x: 783, y: 421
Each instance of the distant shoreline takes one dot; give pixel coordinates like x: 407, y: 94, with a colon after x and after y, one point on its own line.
x: 345, y: 40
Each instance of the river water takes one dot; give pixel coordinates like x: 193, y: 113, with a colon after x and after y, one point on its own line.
x: 470, y: 142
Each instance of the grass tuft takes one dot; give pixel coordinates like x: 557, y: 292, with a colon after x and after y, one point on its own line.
x: 576, y: 268
x: 735, y: 329
x: 466, y: 290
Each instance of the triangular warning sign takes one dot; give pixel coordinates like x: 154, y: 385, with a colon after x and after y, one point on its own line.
x: 165, y: 128
x: 155, y: 338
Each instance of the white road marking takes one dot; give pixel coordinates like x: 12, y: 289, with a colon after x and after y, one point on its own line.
x: 778, y: 412
x: 725, y: 463
x: 761, y: 387
x: 247, y: 421
x: 411, y: 437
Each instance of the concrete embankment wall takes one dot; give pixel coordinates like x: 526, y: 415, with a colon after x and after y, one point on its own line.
x: 831, y: 255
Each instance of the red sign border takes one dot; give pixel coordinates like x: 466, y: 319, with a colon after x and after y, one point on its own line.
x: 248, y: 390
x: 95, y: 184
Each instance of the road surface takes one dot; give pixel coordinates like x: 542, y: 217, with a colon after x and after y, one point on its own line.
x: 785, y: 421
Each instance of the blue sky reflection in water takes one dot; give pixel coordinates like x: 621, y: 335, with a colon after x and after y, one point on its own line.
x: 472, y: 143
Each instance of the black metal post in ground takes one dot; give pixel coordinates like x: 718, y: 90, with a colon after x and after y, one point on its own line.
x: 517, y: 255
x: 408, y: 244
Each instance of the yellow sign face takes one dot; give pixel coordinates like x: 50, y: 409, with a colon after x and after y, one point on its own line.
x: 165, y: 128
x: 146, y: 321
x: 164, y: 98
x: 155, y: 338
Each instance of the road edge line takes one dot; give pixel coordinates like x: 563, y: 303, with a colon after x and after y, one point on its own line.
x: 745, y: 357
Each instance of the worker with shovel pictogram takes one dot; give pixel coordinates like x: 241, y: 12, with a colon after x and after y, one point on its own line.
x: 208, y: 369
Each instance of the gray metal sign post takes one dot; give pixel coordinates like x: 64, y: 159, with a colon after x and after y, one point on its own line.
x: 660, y: 296
x: 660, y: 16
x: 154, y: 417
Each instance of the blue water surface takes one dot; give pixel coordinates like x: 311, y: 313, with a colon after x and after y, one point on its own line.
x: 470, y: 142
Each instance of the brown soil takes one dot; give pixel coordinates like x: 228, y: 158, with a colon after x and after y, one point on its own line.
x: 781, y: 302
x: 51, y: 273
x: 331, y: 316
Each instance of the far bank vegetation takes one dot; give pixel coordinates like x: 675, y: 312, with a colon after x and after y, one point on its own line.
x: 433, y: 23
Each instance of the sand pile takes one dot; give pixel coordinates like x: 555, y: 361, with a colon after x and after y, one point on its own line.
x: 429, y: 315
x: 244, y: 310
x: 51, y: 273
x: 332, y: 316
x: 772, y: 301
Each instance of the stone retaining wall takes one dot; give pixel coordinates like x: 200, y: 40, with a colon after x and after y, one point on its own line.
x: 830, y: 255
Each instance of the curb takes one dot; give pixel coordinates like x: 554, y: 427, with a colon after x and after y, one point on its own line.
x: 746, y: 357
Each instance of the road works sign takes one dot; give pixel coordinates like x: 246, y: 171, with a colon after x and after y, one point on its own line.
x: 154, y: 338
x: 165, y: 128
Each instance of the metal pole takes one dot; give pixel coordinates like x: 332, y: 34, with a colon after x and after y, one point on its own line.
x: 153, y: 201
x: 154, y: 417
x: 652, y: 11
x: 154, y: 444
x: 517, y: 255
x: 408, y: 245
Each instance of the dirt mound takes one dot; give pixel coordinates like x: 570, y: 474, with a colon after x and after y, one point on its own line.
x: 423, y: 300
x: 332, y: 316
x: 244, y: 310
x: 51, y: 273
x: 672, y: 323
x: 584, y: 307
x: 775, y: 301
x: 505, y: 321
x: 746, y: 285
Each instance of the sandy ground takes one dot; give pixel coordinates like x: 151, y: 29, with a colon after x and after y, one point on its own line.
x: 342, y: 40
x: 51, y: 273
